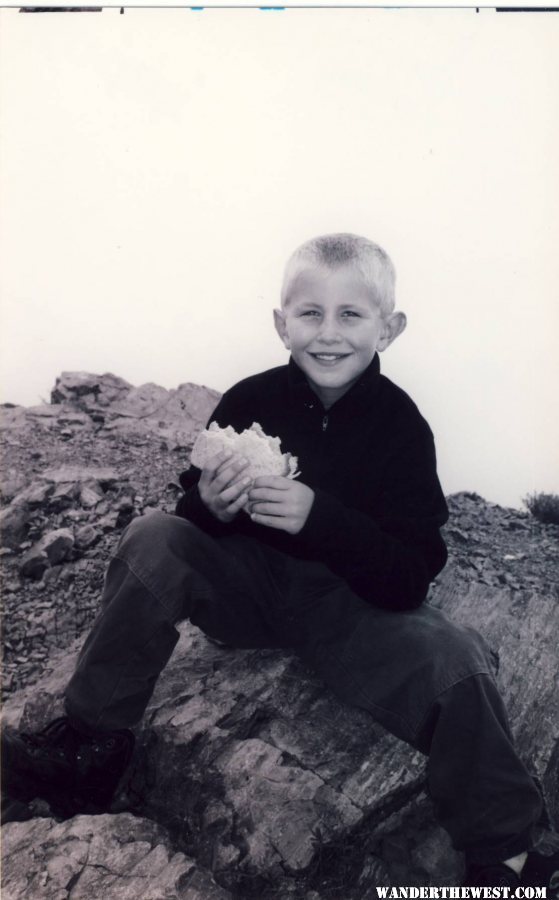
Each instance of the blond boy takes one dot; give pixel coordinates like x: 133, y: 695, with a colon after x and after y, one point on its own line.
x: 334, y: 565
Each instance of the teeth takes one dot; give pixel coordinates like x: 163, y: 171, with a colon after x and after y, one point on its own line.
x: 328, y: 356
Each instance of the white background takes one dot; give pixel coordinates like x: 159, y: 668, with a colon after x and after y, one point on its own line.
x: 159, y: 166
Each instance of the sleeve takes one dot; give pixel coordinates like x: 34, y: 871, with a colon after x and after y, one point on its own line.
x: 390, y: 557
x: 229, y: 411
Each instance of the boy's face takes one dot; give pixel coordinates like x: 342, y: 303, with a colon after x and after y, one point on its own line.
x: 332, y: 324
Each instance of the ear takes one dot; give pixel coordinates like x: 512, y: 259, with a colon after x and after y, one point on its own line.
x: 281, y: 328
x: 394, y: 324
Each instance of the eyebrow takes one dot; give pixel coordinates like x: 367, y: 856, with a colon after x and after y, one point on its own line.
x: 358, y: 304
x: 351, y: 304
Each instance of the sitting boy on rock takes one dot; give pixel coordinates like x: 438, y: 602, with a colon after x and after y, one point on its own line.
x: 334, y: 565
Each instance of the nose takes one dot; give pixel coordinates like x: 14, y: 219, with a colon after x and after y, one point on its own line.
x: 329, y: 331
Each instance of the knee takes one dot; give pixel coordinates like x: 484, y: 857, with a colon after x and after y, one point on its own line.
x: 144, y: 533
x: 451, y: 652
x: 145, y: 526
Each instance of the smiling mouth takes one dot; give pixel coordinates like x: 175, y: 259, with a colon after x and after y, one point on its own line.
x: 329, y: 357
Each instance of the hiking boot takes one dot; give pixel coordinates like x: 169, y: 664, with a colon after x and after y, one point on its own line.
x: 74, y: 773
x: 542, y: 871
x: 491, y: 875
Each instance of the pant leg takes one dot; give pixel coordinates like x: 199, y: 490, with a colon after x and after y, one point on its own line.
x: 481, y: 790
x: 164, y: 570
x: 429, y: 681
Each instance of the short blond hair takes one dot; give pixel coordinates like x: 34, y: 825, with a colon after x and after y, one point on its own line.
x: 333, y: 250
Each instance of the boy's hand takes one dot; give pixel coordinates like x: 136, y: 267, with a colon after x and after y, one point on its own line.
x: 280, y: 502
x: 222, y: 487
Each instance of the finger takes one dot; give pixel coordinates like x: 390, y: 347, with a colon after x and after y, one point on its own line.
x: 213, y: 464
x: 273, y: 481
x: 267, y: 509
x: 279, y: 522
x: 229, y: 473
x: 271, y: 494
x: 229, y: 459
x: 230, y: 494
x: 237, y: 504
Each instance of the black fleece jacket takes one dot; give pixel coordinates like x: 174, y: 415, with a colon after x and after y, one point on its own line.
x: 370, y: 459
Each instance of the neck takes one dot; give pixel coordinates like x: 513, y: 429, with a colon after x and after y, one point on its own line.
x: 329, y: 396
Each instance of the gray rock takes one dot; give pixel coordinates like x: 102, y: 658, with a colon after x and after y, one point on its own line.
x: 79, y: 398
x: 141, y: 402
x: 43, y: 411
x: 57, y: 545
x: 109, y: 521
x: 63, y: 495
x: 74, y: 419
x: 14, y: 525
x: 281, y: 805
x: 81, y: 474
x: 13, y: 418
x: 74, y: 515
x: 34, y: 495
x: 256, y: 754
x: 91, y: 494
x: 176, y: 415
x: 124, y: 504
x: 115, y: 857
x: 11, y: 484
x: 199, y: 400
x: 130, y: 427
x: 52, y: 548
x: 87, y: 536
x: 34, y: 563
x: 89, y: 392
x: 268, y: 768
x: 149, y: 510
x: 189, y: 402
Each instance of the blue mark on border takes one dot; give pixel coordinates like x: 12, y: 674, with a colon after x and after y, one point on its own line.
x: 272, y: 8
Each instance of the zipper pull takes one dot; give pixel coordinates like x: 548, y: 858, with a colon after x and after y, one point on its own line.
x: 325, y: 423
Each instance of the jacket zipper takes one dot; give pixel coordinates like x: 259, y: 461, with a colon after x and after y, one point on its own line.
x: 324, y: 423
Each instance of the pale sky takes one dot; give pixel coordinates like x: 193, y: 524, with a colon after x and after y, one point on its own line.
x: 158, y: 167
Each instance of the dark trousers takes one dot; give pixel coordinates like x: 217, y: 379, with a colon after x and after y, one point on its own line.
x: 424, y: 678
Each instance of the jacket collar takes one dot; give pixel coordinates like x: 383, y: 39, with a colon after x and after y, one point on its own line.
x: 359, y: 395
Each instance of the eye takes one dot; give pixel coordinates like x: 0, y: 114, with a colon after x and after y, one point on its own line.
x: 309, y: 312
x: 351, y: 313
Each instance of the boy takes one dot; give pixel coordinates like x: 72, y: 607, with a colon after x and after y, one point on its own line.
x: 334, y: 565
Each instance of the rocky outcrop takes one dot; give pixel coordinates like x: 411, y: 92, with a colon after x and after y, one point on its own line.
x: 76, y: 471
x: 247, y: 770
x: 88, y: 392
x: 84, y: 402
x: 264, y: 778
x: 176, y: 415
x: 116, y: 857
